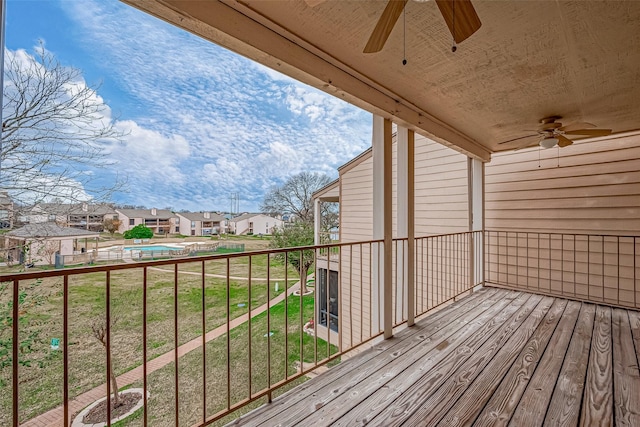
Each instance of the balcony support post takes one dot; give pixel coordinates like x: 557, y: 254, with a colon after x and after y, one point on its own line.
x: 406, y: 222
x: 475, y: 174
x: 382, y: 224
x: 317, y: 221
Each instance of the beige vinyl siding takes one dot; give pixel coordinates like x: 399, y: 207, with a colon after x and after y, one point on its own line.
x: 441, y: 200
x: 591, y: 188
x: 356, y: 202
x: 356, y: 224
x: 441, y: 193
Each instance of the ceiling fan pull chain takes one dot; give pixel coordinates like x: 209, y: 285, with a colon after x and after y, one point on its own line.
x: 404, y: 36
x: 453, y: 8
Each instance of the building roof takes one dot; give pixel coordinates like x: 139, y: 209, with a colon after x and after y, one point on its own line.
x: 99, y: 209
x: 72, y: 208
x: 146, y: 213
x: 250, y: 215
x: 356, y: 160
x: 49, y: 229
x: 200, y: 216
x: 332, y: 190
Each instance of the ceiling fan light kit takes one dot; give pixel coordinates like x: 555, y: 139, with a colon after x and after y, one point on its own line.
x: 548, y: 142
x: 551, y: 133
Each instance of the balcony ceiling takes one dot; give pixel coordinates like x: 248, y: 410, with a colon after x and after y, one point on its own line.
x: 530, y: 59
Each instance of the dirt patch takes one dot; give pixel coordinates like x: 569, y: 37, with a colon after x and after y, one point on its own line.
x: 98, y: 414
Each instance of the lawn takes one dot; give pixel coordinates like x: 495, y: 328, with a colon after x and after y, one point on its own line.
x: 285, y: 353
x: 41, y: 382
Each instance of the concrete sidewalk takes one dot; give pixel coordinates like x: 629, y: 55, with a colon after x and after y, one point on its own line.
x: 55, y: 417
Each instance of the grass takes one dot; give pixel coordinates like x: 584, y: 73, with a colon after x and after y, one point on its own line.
x: 41, y: 383
x: 284, y: 349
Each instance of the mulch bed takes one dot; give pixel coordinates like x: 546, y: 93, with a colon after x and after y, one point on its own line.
x: 99, y: 413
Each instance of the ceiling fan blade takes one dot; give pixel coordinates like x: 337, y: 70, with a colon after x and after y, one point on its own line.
x: 520, y: 138
x: 589, y: 132
x: 466, y: 20
x: 576, y: 126
x: 563, y: 141
x: 313, y: 3
x: 384, y: 26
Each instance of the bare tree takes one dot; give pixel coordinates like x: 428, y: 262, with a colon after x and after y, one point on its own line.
x: 55, y: 128
x: 48, y: 249
x: 294, y: 196
x: 112, y: 225
x: 99, y: 329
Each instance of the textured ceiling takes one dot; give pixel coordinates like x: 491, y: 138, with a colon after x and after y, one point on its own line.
x: 530, y: 59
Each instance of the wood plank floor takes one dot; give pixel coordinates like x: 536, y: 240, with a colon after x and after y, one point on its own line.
x: 497, y: 357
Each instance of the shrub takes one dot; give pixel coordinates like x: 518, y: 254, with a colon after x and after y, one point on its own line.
x: 140, y: 231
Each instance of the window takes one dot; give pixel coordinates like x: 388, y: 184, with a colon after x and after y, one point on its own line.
x: 132, y: 221
x: 331, y: 299
x: 177, y: 229
x: 177, y: 221
x: 193, y: 224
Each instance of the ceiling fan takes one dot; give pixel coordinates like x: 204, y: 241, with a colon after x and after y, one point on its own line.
x: 460, y: 16
x: 550, y: 133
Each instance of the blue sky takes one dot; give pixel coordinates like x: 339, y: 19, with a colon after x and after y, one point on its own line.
x: 201, y: 122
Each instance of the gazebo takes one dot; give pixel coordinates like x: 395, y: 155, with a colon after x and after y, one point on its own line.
x: 39, y: 243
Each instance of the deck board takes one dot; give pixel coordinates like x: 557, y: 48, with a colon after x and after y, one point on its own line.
x: 626, y: 377
x: 564, y: 407
x: 597, y: 403
x: 420, y: 358
x: 438, y: 387
x: 535, y: 399
x: 436, y: 365
x: 496, y: 357
x: 367, y: 363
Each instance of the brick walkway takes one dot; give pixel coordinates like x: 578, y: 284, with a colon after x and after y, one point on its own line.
x: 55, y: 417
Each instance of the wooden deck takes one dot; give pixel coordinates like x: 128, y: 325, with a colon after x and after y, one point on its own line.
x: 497, y: 357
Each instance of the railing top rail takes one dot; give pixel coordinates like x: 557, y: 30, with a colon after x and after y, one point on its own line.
x: 431, y: 236
x: 9, y: 277
x: 551, y: 233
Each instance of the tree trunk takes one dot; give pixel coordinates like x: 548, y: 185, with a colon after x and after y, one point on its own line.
x: 303, y: 280
x: 114, y: 386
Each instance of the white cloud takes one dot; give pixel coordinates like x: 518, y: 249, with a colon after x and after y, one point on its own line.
x: 206, y: 120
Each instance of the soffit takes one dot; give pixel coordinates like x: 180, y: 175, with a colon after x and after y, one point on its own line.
x: 530, y: 59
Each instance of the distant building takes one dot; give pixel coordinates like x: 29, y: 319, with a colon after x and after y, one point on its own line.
x: 161, y: 221
x: 6, y: 211
x: 199, y: 223
x: 39, y: 243
x: 85, y: 216
x: 254, y: 223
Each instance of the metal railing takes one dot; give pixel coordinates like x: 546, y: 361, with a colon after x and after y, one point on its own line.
x: 447, y: 266
x: 231, y: 322
x: 238, y: 332
x: 594, y: 268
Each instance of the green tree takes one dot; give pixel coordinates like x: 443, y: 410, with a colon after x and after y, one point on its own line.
x: 299, y: 234
x: 140, y: 231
